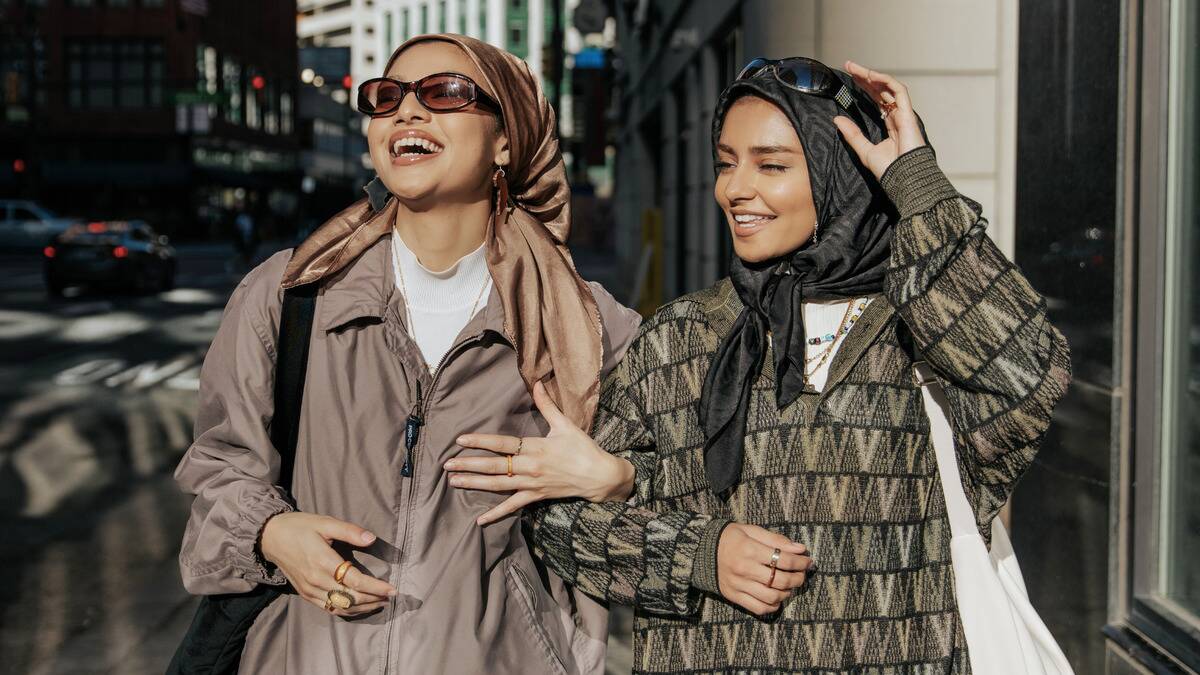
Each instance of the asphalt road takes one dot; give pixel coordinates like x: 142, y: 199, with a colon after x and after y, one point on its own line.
x: 97, y: 395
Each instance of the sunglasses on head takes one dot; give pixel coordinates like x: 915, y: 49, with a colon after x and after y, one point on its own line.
x: 439, y: 92
x: 807, y: 76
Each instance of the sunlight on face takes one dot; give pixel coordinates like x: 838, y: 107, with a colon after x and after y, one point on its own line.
x: 466, y: 141
x: 762, y: 181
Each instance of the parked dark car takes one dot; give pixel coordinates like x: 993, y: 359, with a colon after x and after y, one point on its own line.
x: 120, y: 255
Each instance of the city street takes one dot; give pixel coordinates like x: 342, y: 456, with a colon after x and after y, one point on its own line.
x: 97, y: 403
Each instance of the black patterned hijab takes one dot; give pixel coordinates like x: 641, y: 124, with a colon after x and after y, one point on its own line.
x: 854, y: 227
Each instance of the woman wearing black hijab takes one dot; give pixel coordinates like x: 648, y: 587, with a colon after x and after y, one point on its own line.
x: 772, y: 420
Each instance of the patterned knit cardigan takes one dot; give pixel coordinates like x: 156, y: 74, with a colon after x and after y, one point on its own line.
x: 849, y: 472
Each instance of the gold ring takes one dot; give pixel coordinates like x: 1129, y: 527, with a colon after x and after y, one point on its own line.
x: 339, y: 598
x: 772, y: 579
x: 887, y: 107
x: 340, y: 572
x: 509, y: 458
x: 520, y: 444
x: 775, y: 558
x: 329, y: 605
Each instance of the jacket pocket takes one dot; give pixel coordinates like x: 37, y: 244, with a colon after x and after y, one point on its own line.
x: 523, y: 591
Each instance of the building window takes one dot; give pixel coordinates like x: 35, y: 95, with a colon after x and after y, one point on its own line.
x: 1179, y: 479
x: 404, y: 25
x: 114, y: 74
x: 483, y: 13
x: 388, y: 33
x: 253, y: 101
x: 424, y: 27
x: 271, y: 108
x: 285, y: 113
x: 462, y: 17
x: 22, y: 80
x: 231, y: 86
x: 442, y: 16
x: 1166, y: 525
x: 518, y: 28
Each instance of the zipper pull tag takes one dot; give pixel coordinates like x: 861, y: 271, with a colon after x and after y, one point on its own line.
x: 412, y: 433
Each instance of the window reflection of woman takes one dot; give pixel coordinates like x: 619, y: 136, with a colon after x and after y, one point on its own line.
x: 772, y: 420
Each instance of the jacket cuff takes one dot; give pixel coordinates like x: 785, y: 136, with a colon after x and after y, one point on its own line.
x: 249, y: 562
x: 704, y: 567
x: 914, y: 182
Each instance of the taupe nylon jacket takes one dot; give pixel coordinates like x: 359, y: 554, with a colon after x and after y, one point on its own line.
x: 470, y: 599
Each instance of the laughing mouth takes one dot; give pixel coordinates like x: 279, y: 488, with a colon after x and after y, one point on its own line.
x: 412, y: 146
x: 751, y: 219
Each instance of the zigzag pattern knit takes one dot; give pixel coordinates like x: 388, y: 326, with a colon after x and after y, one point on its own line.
x: 849, y: 472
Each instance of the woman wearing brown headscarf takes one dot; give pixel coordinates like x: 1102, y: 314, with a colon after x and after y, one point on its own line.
x: 447, y: 300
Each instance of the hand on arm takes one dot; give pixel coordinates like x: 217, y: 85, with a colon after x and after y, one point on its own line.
x: 299, y: 544
x: 566, y: 463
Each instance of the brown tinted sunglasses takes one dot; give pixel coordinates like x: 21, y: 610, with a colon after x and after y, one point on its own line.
x: 439, y: 92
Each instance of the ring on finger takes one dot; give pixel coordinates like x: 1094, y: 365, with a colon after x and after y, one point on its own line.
x: 329, y: 606
x: 509, y: 472
x: 520, y: 445
x: 339, y: 598
x: 775, y: 556
x: 340, y: 573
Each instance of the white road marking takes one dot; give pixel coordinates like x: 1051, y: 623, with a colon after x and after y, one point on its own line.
x: 16, y: 325
x: 104, y: 327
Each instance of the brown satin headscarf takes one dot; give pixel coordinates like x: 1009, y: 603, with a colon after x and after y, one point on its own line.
x: 550, y: 314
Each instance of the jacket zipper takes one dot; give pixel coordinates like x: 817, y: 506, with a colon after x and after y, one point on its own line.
x: 416, y: 418
x: 412, y: 436
x: 412, y: 433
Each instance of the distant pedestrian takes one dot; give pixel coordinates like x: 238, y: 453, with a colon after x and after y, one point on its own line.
x: 247, y: 237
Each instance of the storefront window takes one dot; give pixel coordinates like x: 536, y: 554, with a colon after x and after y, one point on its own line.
x: 1179, y: 510
x: 1165, y: 544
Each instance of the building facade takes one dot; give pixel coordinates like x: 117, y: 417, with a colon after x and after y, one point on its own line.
x: 1075, y: 126
x: 173, y: 112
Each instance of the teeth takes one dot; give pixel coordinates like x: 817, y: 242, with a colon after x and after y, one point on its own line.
x: 750, y: 217
x: 413, y: 142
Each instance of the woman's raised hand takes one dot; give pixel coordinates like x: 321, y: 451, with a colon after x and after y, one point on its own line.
x: 566, y: 463
x: 744, y: 574
x: 904, y: 131
x: 299, y: 545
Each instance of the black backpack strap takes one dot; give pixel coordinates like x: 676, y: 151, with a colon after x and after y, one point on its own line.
x: 291, y: 363
x: 215, y: 639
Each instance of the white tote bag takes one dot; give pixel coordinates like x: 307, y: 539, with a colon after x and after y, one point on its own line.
x: 1005, y: 635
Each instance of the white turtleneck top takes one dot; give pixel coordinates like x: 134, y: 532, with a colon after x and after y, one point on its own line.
x: 822, y: 319
x: 439, y: 304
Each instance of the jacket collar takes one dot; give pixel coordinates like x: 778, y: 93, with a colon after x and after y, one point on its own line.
x: 365, y: 288
x: 721, y: 306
